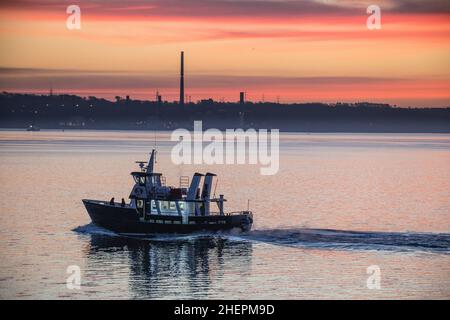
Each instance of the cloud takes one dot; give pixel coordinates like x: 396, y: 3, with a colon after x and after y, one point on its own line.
x: 421, y: 6
x: 205, y: 9
x: 402, y: 91
x: 79, y: 79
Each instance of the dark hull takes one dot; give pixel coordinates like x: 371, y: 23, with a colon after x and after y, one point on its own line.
x: 126, y: 220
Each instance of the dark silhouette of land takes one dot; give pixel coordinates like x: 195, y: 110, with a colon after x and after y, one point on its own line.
x: 71, y: 111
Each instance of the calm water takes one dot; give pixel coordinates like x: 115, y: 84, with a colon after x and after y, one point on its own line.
x: 340, y: 203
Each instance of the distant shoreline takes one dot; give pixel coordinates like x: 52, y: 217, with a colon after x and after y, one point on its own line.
x: 75, y: 112
x: 7, y: 129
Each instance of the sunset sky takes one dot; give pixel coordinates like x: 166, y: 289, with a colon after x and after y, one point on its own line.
x: 291, y: 50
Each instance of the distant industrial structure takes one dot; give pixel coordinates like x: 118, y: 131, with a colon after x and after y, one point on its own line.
x: 182, y: 94
x: 242, y: 97
x: 182, y: 79
x: 158, y: 97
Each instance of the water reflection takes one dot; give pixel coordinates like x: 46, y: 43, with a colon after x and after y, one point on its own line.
x: 165, y: 268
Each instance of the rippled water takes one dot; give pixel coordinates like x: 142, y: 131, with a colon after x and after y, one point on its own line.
x: 339, y: 204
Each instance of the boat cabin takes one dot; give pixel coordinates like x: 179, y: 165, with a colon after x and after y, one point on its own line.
x: 150, y: 195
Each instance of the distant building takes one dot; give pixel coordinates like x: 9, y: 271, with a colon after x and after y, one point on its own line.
x: 242, y: 97
x: 207, y: 101
x: 158, y: 97
x: 372, y: 105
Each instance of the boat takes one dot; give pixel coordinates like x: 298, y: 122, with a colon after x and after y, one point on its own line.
x: 33, y: 128
x: 154, y: 207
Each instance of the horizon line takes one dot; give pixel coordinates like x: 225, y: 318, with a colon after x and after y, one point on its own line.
x: 203, y: 101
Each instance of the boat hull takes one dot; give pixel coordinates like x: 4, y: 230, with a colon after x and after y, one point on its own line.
x: 125, y: 220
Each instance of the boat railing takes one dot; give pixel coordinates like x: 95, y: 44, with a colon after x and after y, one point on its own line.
x: 184, y: 182
x: 232, y: 213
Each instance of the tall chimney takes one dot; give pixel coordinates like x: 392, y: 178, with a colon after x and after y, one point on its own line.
x: 242, y: 97
x: 182, y: 79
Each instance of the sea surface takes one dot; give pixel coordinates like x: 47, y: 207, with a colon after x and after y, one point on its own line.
x: 340, y: 204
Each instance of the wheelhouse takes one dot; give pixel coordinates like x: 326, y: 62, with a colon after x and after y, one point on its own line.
x: 150, y: 195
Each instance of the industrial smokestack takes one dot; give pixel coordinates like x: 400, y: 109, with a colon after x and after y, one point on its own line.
x: 182, y: 79
x: 242, y: 97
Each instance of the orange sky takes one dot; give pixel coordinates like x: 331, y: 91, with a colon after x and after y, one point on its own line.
x: 294, y: 51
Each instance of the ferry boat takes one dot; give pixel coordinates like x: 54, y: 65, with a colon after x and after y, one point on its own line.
x: 157, y: 208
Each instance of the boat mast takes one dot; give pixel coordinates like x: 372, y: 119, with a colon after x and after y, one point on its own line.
x: 151, y: 162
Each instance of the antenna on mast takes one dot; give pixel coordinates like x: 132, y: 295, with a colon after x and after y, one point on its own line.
x: 141, y: 165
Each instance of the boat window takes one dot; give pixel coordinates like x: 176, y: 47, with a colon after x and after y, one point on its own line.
x: 142, y: 181
x: 172, y: 205
x: 181, y: 204
x: 140, y: 203
x: 164, y: 205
